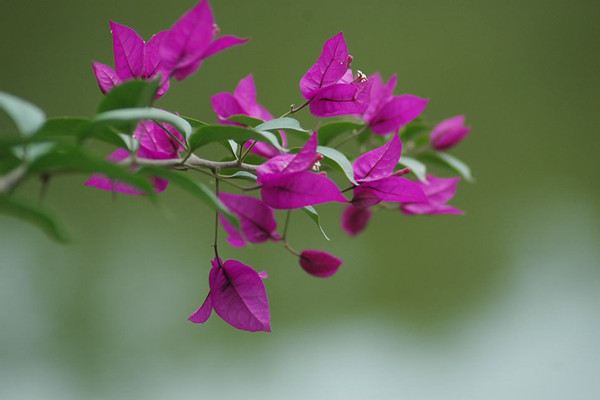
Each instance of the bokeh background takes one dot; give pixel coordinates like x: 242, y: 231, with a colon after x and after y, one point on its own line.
x: 503, y: 303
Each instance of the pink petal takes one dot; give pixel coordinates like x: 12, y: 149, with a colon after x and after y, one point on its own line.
x: 202, y: 314
x: 397, y: 112
x: 234, y: 237
x: 319, y: 263
x: 430, y: 209
x: 355, y: 219
x: 440, y: 190
x: 225, y: 105
x: 341, y: 99
x: 380, y: 94
x: 103, y: 182
x: 331, y: 66
x: 156, y: 143
x: 128, y: 48
x: 223, y: 43
x: 364, y: 197
x: 378, y: 163
x: 239, y: 297
x: 449, y: 133
x: 105, y: 76
x: 245, y: 93
x: 187, y: 40
x: 257, y: 220
x: 396, y: 189
x: 290, y: 163
x: 152, y: 61
x: 300, y: 190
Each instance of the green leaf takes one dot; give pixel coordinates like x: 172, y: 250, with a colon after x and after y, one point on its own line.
x: 27, y: 117
x: 80, y: 129
x: 246, y: 120
x: 286, y: 123
x: 314, y: 215
x: 339, y: 160
x: 74, y: 160
x: 138, y: 114
x: 450, y: 162
x: 330, y: 131
x: 223, y: 133
x: 195, y: 188
x: 12, y: 207
x: 241, y: 175
x: 416, y: 167
x: 32, y: 151
x: 132, y: 94
x: 413, y: 130
x: 195, y: 123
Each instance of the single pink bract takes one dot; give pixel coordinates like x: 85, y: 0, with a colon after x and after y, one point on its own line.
x: 319, y: 263
x: 449, y: 133
x: 378, y: 163
x: 257, y: 220
x: 301, y: 189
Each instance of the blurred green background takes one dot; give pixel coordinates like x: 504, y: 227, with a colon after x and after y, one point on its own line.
x: 502, y: 303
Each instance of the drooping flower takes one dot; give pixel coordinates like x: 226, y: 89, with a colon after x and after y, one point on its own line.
x: 387, y: 113
x: 449, y: 133
x: 157, y: 141
x: 287, y: 183
x: 134, y: 59
x: 355, y: 219
x: 192, y: 39
x: 319, y: 263
x: 257, y: 220
x: 330, y: 86
x: 238, y: 296
x: 243, y: 101
x: 438, y: 192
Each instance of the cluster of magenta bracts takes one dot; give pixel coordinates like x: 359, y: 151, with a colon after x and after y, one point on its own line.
x: 286, y: 180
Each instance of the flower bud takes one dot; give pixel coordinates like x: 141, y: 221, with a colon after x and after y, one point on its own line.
x: 449, y: 133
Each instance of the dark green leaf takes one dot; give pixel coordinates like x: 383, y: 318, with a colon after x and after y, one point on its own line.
x: 74, y: 160
x: 195, y: 123
x: 132, y: 94
x: 245, y: 120
x: 413, y: 130
x: 196, y: 188
x: 12, y: 207
x: 450, y: 162
x: 223, y: 133
x: 339, y: 161
x: 27, y: 117
x: 314, y: 215
x: 330, y: 131
x: 416, y: 167
x: 138, y: 114
x: 80, y: 129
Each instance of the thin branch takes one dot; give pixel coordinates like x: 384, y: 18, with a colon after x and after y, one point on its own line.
x: 13, y: 178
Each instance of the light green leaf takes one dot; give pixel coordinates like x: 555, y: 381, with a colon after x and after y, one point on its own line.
x: 27, y: 117
x: 330, y: 131
x: 339, y: 160
x: 80, y: 129
x: 450, y: 162
x: 195, y: 188
x: 139, y: 114
x: 416, y: 167
x: 223, y: 133
x: 12, y: 207
x: 132, y: 94
x: 74, y: 160
x: 285, y: 123
x: 314, y: 215
x: 32, y: 151
x: 246, y: 120
x: 241, y: 175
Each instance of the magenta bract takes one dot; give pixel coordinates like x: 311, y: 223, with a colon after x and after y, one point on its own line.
x: 257, y: 220
x: 355, y: 219
x: 449, y: 133
x: 290, y: 163
x: 438, y: 192
x: 378, y: 163
x: 319, y: 263
x: 301, y: 189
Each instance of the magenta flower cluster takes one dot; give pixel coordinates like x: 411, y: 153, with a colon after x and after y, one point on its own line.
x: 286, y: 178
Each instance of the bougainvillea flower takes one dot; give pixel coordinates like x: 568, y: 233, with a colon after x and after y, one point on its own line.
x: 290, y: 163
x: 378, y: 163
x: 330, y: 86
x: 449, y: 133
x: 301, y: 189
x: 438, y: 192
x: 395, y: 189
x: 157, y: 141
x: 191, y: 40
x: 134, y: 59
x: 331, y: 66
x: 387, y: 113
x: 238, y: 295
x: 319, y: 263
x: 257, y: 220
x: 355, y: 219
x: 243, y: 101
